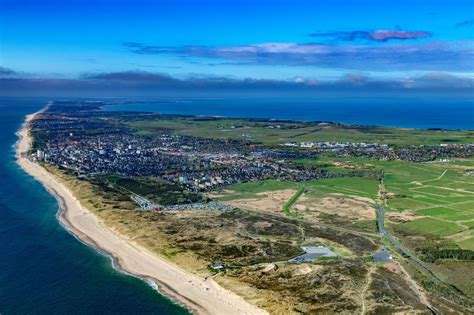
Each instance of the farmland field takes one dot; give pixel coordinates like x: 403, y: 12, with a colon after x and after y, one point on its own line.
x: 433, y: 226
x: 440, y: 194
x: 275, y: 132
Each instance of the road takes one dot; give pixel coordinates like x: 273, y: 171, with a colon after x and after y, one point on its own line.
x: 380, y: 214
x: 395, y: 243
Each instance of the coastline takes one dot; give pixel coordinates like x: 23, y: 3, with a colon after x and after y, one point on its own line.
x: 198, y: 295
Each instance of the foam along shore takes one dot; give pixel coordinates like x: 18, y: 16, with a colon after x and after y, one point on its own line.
x: 199, y: 295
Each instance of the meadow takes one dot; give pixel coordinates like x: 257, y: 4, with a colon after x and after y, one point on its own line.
x: 441, y: 195
x: 272, y: 132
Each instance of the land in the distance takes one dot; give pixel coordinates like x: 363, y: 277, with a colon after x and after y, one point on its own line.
x: 282, y: 213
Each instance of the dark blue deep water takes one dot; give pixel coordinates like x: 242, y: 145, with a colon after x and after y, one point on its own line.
x: 420, y: 113
x: 43, y: 269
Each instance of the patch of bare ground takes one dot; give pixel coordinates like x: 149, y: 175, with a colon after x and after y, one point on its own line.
x: 363, y: 294
x: 349, y: 208
x: 349, y: 165
x: 221, y: 193
x: 403, y: 216
x: 464, y: 235
x: 333, y: 208
x: 271, y: 201
x: 393, y: 267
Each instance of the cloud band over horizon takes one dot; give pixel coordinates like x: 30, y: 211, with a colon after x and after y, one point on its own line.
x: 130, y: 83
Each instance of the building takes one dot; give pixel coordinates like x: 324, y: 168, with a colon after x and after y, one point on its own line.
x: 40, y: 155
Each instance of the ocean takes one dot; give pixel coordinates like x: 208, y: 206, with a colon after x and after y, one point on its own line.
x: 398, y: 112
x: 44, y: 269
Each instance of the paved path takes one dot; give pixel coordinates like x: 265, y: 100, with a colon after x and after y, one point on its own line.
x: 395, y: 243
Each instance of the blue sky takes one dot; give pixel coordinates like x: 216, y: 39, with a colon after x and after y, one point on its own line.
x: 310, y: 42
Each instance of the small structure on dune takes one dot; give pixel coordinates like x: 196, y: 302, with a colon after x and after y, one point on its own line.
x: 219, y: 266
x: 382, y: 255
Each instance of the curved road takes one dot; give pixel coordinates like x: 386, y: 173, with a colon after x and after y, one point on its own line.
x: 395, y: 243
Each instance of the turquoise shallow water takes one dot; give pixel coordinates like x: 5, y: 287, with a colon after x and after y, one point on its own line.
x: 43, y: 269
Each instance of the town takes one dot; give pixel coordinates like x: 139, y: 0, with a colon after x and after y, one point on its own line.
x: 423, y: 153
x: 95, y: 142
x: 198, y: 164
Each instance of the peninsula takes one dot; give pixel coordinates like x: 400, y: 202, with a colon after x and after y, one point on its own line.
x: 253, y: 216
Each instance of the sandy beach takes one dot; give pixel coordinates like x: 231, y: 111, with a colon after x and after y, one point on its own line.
x: 197, y: 294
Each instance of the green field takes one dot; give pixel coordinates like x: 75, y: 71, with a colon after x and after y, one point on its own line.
x: 433, y: 226
x: 287, y: 206
x: 269, y: 132
x: 353, y: 186
x: 439, y: 191
x: 438, y: 211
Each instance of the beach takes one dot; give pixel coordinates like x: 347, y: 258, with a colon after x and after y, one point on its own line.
x: 199, y: 295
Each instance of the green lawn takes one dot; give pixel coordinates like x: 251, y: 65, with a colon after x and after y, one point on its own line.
x: 438, y: 211
x: 354, y: 186
x: 287, y: 206
x: 409, y: 203
x: 464, y: 216
x: 437, y: 191
x: 468, y: 206
x: 433, y: 226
